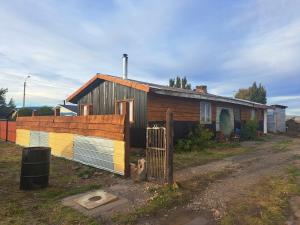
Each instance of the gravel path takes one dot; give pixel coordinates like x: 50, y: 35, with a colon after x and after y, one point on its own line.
x: 248, y: 168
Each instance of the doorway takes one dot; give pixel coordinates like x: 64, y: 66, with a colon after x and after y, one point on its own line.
x: 225, y: 122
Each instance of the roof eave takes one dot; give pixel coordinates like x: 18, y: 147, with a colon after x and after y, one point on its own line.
x: 207, y: 97
x: 128, y: 83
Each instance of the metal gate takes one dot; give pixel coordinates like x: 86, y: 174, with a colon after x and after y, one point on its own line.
x: 156, y: 154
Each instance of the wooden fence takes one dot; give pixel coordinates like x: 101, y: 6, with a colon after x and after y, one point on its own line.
x: 105, y: 126
x: 96, y: 140
x: 8, y: 131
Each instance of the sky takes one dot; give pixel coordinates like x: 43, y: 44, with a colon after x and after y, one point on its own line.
x: 225, y: 45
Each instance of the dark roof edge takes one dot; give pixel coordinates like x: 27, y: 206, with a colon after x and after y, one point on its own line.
x: 208, y: 97
x: 278, y: 106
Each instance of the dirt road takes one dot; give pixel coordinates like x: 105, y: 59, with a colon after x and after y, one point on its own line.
x: 269, y: 158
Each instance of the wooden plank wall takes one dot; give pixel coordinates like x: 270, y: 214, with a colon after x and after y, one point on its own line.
x: 183, y: 109
x: 189, y: 109
x: 104, y: 95
x: 105, y: 126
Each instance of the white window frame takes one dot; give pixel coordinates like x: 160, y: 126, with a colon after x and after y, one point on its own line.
x: 119, y: 105
x: 253, y: 114
x: 206, y: 108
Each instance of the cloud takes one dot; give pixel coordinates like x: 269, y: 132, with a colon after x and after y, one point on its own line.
x: 273, y: 53
x: 226, y: 46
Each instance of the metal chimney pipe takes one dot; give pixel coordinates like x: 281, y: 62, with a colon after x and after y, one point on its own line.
x: 125, y: 66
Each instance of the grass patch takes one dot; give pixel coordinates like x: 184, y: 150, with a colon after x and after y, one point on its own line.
x: 282, y: 145
x: 43, y: 206
x: 167, y: 197
x: 220, y: 151
x: 268, y: 204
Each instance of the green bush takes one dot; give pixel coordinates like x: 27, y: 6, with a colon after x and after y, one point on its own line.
x: 249, y: 130
x: 198, y: 140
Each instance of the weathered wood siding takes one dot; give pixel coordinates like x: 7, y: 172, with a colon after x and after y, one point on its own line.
x: 187, y: 113
x: 183, y: 109
x: 106, y: 93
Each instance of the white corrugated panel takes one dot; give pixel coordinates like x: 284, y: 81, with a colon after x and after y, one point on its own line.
x: 38, y: 139
x: 96, y: 152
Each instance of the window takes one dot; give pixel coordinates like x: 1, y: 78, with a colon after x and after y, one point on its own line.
x: 237, y: 114
x: 252, y: 114
x: 119, y: 108
x: 86, y: 110
x: 205, y: 112
x: 131, y: 111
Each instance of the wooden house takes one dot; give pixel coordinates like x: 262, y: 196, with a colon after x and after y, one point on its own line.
x: 104, y: 94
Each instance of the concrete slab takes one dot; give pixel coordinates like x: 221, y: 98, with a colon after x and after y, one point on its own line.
x: 95, y: 199
x: 103, y: 211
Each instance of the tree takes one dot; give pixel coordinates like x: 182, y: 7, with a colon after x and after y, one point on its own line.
x: 179, y: 82
x: 11, y: 104
x: 25, y: 112
x: 6, y: 110
x: 45, y: 111
x: 254, y: 93
x: 171, y: 82
x: 3, y: 92
x: 243, y: 94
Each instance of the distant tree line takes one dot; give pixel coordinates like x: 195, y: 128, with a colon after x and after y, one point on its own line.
x: 41, y: 111
x: 7, y: 109
x: 179, y: 82
x: 253, y: 93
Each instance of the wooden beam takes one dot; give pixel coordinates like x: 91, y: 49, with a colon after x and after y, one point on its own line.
x: 170, y: 146
x: 127, y: 139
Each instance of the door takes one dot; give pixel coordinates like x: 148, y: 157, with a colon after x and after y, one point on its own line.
x: 225, y: 122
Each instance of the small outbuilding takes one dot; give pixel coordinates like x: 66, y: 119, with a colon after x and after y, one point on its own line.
x: 66, y: 110
x: 276, y: 118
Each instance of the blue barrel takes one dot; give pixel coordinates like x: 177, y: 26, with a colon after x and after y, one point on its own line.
x: 35, y: 168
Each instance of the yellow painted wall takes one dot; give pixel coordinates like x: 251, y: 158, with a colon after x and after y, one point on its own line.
x: 61, y: 144
x: 119, y: 156
x: 23, y: 137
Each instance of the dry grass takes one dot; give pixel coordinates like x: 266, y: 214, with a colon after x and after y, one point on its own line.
x: 282, y: 145
x: 189, y: 159
x: 43, y: 206
x: 267, y: 204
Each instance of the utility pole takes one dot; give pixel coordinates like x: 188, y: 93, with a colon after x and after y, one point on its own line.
x: 25, y: 90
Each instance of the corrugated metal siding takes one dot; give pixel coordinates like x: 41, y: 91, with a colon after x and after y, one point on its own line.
x: 103, y: 98
x: 61, y: 144
x: 271, y: 121
x: 96, y: 152
x: 276, y: 120
x: 280, y: 120
x: 38, y: 139
x: 23, y: 137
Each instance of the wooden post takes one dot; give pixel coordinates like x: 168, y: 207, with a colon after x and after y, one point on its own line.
x: 6, y: 138
x: 169, y: 145
x: 34, y: 113
x: 127, y: 139
x: 57, y: 112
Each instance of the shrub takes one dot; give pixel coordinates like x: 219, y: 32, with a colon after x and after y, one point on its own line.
x: 198, y: 140
x: 249, y: 130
